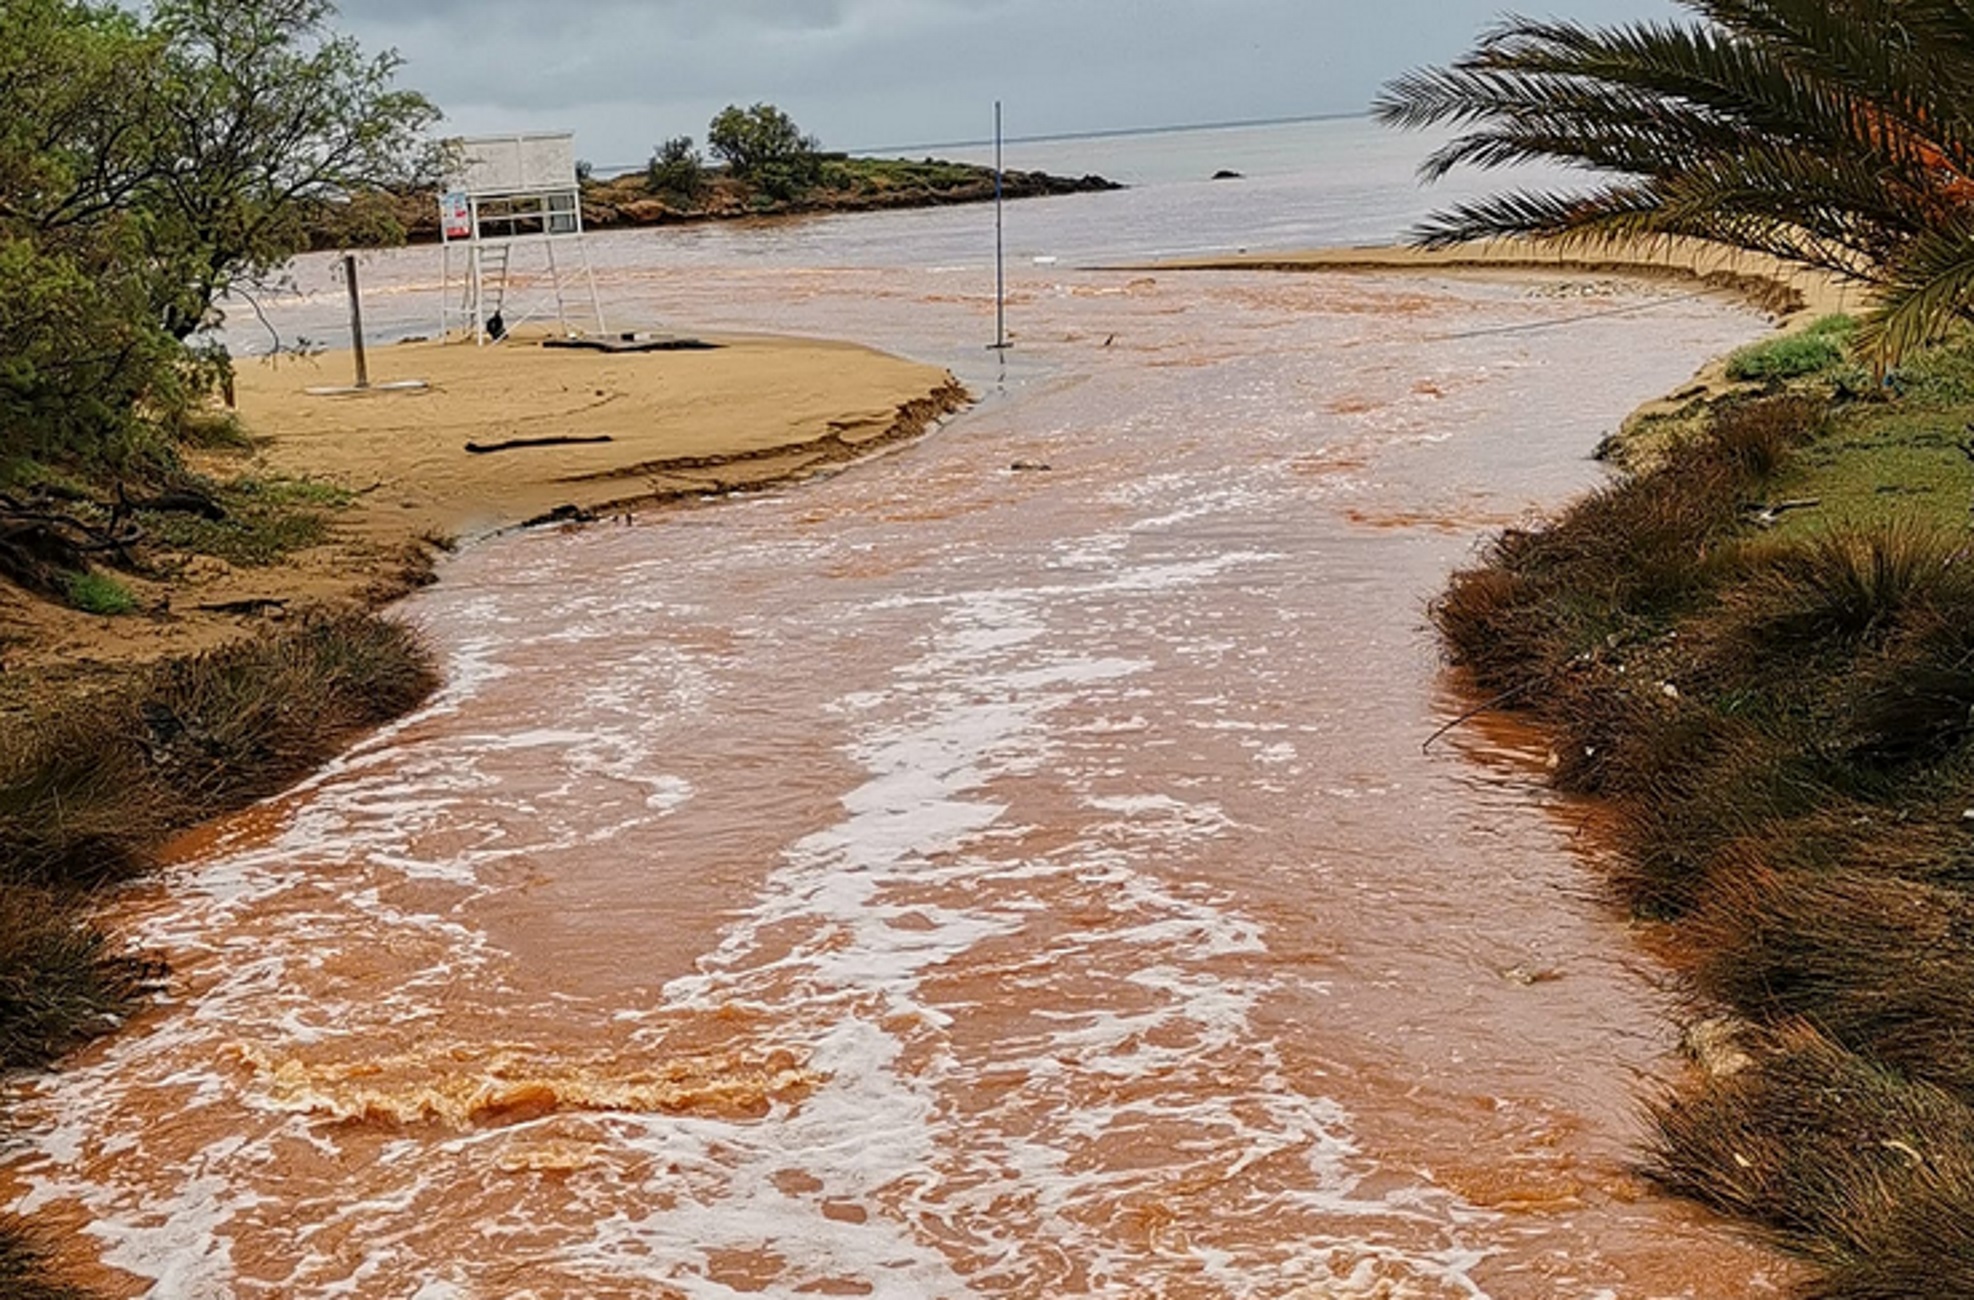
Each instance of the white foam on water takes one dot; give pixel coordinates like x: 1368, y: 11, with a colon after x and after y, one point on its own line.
x: 350, y: 835
x: 845, y: 949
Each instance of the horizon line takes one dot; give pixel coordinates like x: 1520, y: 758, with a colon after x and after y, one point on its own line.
x: 1170, y: 129
x: 1059, y: 136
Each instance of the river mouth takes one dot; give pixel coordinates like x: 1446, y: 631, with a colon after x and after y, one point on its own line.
x: 946, y: 879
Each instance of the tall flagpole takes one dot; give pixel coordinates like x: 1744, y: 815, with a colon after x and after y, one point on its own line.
x: 1000, y: 246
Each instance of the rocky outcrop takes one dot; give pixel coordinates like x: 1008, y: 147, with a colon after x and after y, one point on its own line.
x: 628, y: 202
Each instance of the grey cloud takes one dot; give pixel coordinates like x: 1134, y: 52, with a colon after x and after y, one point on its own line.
x: 625, y: 73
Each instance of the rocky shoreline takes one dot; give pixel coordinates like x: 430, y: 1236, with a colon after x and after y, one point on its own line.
x: 629, y: 202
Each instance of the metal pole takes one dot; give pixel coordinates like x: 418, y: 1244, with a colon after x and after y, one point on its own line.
x: 356, y: 320
x: 1000, y: 243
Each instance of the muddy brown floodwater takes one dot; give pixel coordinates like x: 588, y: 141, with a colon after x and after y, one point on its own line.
x: 943, y: 880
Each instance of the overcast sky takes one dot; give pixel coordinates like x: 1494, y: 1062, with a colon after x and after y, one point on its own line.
x: 624, y: 74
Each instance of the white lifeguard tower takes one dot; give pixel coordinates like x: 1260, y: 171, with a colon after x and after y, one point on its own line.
x: 510, y: 195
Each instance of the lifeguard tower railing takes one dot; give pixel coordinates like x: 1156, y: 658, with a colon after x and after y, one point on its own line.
x: 510, y: 198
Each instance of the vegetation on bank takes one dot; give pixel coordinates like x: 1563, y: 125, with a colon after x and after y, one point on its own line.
x: 1760, y: 650
x: 833, y: 183
x: 153, y: 160
x: 1759, y: 643
x: 769, y: 166
x: 92, y: 785
x: 151, y: 163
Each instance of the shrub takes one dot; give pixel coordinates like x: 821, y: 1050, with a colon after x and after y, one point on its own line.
x: 677, y: 169
x: 98, y: 593
x: 87, y: 791
x: 751, y: 140
x: 1793, y: 356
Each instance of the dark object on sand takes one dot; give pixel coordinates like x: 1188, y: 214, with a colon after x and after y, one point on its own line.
x: 1224, y: 175
x: 632, y: 343
x: 179, y: 503
x: 1030, y: 467
x: 496, y: 327
x: 567, y: 440
x: 246, y: 608
x: 562, y: 515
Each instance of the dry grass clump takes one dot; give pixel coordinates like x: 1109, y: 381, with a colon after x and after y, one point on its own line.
x: 1914, y: 701
x: 1851, y: 584
x: 1852, y: 1165
x: 1784, y: 723
x: 88, y: 790
x: 1758, y: 437
x: 62, y: 981
x: 1882, y: 965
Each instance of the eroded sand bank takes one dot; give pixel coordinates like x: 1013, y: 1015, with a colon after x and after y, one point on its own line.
x: 748, y: 413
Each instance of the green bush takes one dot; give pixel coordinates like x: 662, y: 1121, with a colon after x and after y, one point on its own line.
x: 1793, y: 356
x: 152, y: 159
x: 750, y: 141
x: 677, y: 168
x: 97, y: 593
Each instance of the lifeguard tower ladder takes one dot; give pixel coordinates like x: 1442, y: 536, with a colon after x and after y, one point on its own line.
x: 509, y: 194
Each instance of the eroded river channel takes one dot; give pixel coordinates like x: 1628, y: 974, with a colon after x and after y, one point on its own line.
x: 946, y: 880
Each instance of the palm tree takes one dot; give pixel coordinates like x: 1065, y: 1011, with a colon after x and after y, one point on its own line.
x: 1834, y: 134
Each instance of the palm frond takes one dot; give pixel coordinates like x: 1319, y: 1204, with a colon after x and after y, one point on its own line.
x: 1836, y: 134
x: 1930, y: 285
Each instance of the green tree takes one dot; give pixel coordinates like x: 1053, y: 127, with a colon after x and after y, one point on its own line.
x: 1834, y: 134
x: 266, y: 109
x: 81, y: 342
x: 677, y: 168
x: 763, y: 145
x: 148, y: 166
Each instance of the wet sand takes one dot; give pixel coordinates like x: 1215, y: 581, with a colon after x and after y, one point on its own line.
x: 1790, y: 293
x: 741, y: 413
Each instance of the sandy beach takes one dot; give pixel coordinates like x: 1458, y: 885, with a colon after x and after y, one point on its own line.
x: 1786, y: 291
x: 655, y: 427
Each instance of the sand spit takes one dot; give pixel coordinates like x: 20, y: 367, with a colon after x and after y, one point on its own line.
x: 643, y: 428
x: 1773, y: 286
x: 746, y: 413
